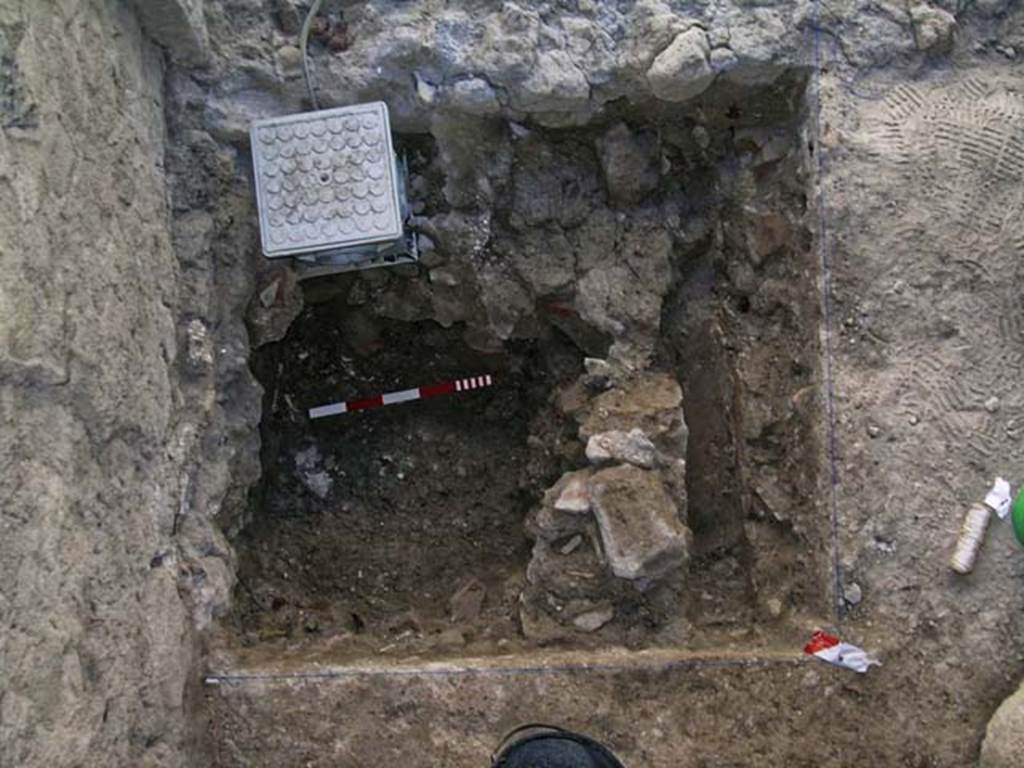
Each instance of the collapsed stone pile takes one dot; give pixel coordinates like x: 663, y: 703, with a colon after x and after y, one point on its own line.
x: 615, y: 528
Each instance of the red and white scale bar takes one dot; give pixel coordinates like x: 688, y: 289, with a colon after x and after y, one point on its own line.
x: 402, y: 396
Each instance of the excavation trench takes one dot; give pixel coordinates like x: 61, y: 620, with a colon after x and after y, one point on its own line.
x: 605, y: 277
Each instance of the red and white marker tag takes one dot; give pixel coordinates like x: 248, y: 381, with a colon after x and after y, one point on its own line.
x: 829, y: 648
x: 402, y: 396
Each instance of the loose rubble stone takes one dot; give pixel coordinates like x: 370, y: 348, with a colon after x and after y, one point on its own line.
x: 555, y: 84
x: 475, y: 96
x: 682, y: 70
x: 933, y: 28
x: 452, y: 637
x: 723, y: 60
x: 289, y: 60
x: 639, y: 524
x: 853, y: 594
x: 632, y: 447
x: 571, y: 545
x: 426, y: 91
x: 429, y: 255
x: 573, y: 493
x: 445, y: 276
x: 179, y: 26
x: 767, y: 233
x: 309, y: 463
x: 199, y: 346
x: 651, y: 402
x: 288, y: 17
x: 467, y: 602
x: 276, y: 304
x: 591, y: 621
x: 630, y: 162
x: 210, y: 583
x: 598, y: 367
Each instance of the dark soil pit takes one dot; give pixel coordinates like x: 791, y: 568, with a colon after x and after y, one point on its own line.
x: 409, y: 529
x: 372, y: 522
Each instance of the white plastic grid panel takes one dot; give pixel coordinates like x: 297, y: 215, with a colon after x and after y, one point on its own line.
x: 326, y: 180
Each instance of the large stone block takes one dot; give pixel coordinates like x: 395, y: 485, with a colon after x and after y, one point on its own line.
x: 177, y: 25
x: 651, y: 402
x: 683, y: 70
x: 640, y: 528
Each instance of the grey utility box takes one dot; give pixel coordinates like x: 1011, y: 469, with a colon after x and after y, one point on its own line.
x: 330, y: 191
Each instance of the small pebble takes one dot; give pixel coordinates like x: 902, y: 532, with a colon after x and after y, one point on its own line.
x: 874, y: 430
x: 914, y: 420
x: 992, y: 404
x: 591, y: 621
x: 853, y: 594
x: 572, y: 545
x: 426, y: 91
x: 269, y: 294
x: 700, y: 135
x: 289, y: 59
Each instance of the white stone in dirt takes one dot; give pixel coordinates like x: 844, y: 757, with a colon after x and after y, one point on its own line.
x: 574, y: 496
x: 640, y: 529
x: 591, y: 621
x: 309, y: 462
x: 683, y: 70
x: 633, y: 447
